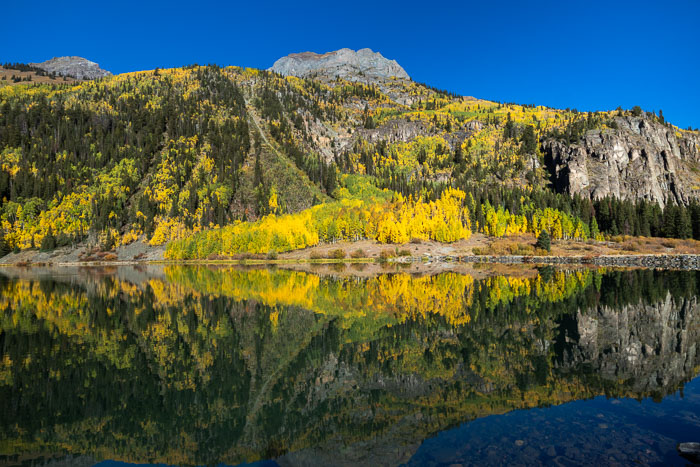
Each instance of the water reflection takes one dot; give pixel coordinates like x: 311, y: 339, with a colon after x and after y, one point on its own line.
x: 198, y: 365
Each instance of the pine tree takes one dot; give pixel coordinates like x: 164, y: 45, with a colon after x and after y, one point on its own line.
x: 529, y: 141
x: 544, y: 241
x: 594, y: 228
x: 49, y: 241
x: 670, y: 221
x: 684, y: 228
x: 4, y: 247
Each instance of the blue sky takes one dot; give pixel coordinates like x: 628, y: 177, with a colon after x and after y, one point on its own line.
x: 587, y: 55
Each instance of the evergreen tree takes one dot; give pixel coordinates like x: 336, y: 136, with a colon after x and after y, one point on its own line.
x: 529, y: 140
x: 4, y: 247
x: 544, y: 241
x: 594, y: 228
x: 670, y: 221
x: 49, y: 241
x: 684, y: 228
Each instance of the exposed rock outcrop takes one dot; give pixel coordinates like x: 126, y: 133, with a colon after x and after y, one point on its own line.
x: 641, y: 159
x: 74, y: 67
x: 343, y: 63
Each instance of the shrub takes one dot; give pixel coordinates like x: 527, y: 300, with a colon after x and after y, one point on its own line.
x: 272, y: 255
x: 315, y: 255
x: 359, y: 253
x: 416, y: 241
x: 404, y: 253
x: 630, y: 246
x: 337, y: 254
x: 63, y: 240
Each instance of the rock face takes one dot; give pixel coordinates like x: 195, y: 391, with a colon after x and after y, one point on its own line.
x: 640, y: 159
x: 75, y: 67
x: 343, y: 63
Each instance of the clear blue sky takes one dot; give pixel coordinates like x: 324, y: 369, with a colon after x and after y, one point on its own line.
x: 589, y: 55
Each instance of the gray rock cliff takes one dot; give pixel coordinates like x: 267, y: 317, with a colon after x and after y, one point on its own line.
x: 640, y: 159
x: 74, y: 67
x: 343, y: 63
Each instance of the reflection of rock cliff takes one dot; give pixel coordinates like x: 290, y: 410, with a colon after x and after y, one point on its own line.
x: 652, y: 347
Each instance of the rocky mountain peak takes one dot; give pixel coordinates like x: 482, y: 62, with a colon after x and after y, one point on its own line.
x: 344, y: 63
x: 74, y: 67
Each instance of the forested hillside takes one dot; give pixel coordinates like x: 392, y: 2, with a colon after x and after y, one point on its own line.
x: 230, y: 160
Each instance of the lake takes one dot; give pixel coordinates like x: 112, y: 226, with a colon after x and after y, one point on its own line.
x: 347, y: 365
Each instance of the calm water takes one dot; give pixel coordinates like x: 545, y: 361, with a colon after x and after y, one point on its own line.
x: 208, y: 366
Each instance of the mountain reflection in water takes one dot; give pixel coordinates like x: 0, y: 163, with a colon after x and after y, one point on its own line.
x: 194, y: 365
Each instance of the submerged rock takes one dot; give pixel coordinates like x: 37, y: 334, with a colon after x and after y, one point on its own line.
x: 690, y: 451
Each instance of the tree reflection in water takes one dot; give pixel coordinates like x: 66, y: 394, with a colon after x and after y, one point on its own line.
x: 198, y: 365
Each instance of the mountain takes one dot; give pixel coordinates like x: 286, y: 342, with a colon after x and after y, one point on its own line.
x: 343, y: 63
x: 174, y: 154
x: 74, y: 67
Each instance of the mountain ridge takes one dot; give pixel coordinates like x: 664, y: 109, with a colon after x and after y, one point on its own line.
x: 162, y: 155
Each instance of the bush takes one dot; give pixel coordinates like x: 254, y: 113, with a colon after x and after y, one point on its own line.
x: 416, y: 241
x: 272, y: 255
x: 359, y: 253
x: 63, y: 240
x: 404, y: 253
x: 315, y: 255
x: 544, y: 241
x: 337, y: 254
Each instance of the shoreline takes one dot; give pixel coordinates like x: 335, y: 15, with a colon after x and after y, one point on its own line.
x: 655, y: 261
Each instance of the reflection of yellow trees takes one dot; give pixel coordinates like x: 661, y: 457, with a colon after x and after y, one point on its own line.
x: 369, y: 304
x: 396, y: 296
x: 68, y: 312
